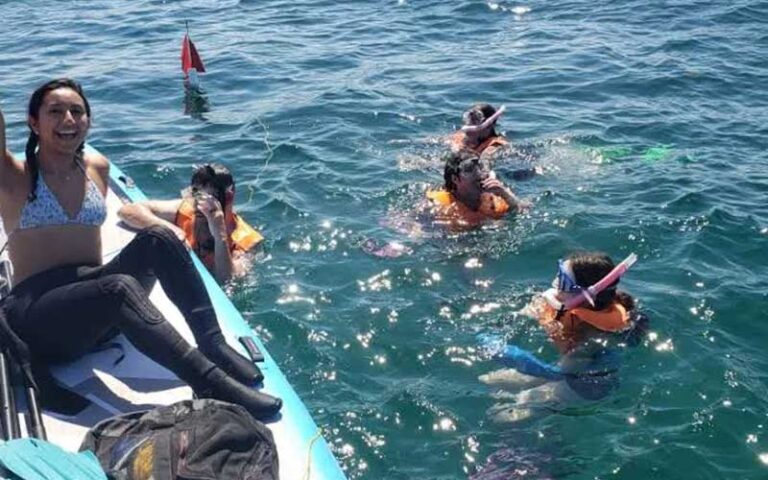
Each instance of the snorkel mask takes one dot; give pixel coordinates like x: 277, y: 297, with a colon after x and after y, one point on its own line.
x: 486, y: 124
x: 566, y: 283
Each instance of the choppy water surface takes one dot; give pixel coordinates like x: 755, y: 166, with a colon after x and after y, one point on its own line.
x: 648, y: 119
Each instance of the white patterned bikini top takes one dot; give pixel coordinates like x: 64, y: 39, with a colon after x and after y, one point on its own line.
x: 46, y: 211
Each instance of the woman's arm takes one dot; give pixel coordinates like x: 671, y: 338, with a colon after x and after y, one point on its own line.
x: 7, y: 160
x: 456, y: 141
x: 557, y: 334
x: 3, y: 148
x: 499, y: 146
x: 11, y: 171
x: 152, y: 212
x: 241, y: 263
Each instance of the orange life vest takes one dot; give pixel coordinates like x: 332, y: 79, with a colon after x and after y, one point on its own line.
x: 492, y: 142
x: 243, y: 237
x: 459, y: 142
x: 491, y: 206
x: 614, y: 318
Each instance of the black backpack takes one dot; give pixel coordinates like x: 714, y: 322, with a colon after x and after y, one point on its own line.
x: 191, y: 440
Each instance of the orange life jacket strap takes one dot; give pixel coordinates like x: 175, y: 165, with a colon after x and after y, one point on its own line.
x: 615, y: 318
x: 490, y: 205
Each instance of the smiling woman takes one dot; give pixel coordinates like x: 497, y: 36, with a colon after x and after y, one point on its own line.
x: 64, y: 301
x: 48, y: 190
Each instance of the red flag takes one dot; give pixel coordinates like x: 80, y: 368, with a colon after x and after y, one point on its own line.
x: 189, y: 57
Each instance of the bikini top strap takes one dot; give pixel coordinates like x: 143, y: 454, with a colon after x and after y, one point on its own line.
x: 79, y: 163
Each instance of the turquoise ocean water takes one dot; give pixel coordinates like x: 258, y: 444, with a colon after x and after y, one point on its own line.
x: 647, y: 118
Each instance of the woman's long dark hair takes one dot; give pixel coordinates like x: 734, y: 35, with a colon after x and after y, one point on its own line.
x: 589, y: 268
x: 33, y: 111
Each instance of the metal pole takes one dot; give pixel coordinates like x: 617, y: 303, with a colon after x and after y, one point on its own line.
x: 5, y: 399
x: 14, y: 409
x: 8, y: 413
x: 35, y: 420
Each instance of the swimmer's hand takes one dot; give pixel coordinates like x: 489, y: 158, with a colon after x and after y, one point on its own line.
x: 523, y: 205
x: 493, y: 185
x: 213, y: 213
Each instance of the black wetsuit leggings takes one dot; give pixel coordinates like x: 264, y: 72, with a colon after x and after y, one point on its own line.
x: 63, y: 313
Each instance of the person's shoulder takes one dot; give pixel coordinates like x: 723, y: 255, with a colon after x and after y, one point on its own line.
x: 97, y: 161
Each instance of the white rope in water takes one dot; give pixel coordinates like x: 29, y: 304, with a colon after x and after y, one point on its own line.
x: 308, y: 471
x: 270, y: 154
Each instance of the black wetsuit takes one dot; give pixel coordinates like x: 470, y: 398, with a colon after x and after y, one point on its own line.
x: 65, y: 312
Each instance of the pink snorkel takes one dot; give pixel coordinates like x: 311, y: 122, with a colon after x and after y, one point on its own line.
x: 487, y: 123
x: 590, y: 293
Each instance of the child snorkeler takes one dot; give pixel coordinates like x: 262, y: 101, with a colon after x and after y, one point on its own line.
x: 205, y: 219
x: 478, y: 134
x: 584, y: 300
x: 587, y: 318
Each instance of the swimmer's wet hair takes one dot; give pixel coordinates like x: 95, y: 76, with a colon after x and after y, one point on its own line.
x: 589, y: 268
x: 215, y: 175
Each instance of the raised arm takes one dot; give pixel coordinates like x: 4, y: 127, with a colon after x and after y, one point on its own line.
x: 152, y: 212
x: 7, y: 157
x: 2, y: 135
x: 10, y: 171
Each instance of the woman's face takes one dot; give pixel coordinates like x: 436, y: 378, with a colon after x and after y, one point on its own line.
x: 62, y: 122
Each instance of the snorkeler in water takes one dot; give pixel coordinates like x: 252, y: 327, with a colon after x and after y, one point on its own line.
x: 478, y: 133
x: 471, y: 194
x: 204, y: 218
x: 584, y: 300
x: 586, y: 317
